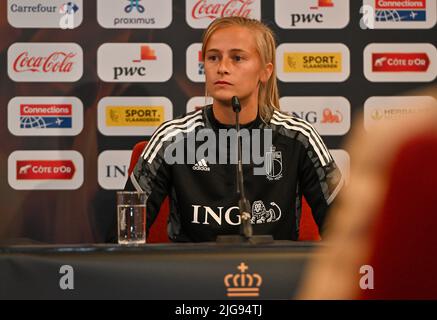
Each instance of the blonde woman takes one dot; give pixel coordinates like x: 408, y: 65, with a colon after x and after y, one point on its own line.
x: 239, y: 57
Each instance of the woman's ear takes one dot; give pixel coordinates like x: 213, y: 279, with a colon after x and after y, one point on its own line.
x: 266, y: 73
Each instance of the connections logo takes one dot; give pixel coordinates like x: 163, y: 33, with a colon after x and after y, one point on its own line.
x: 45, y: 116
x: 402, y: 14
x: 45, y: 170
x: 313, y: 14
x: 134, y: 62
x: 45, y: 13
x: 301, y: 62
x: 134, y: 14
x: 133, y: 116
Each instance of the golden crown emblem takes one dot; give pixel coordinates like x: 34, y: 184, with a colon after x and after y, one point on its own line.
x: 243, y: 284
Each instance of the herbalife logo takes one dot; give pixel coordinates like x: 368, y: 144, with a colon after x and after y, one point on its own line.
x: 67, y: 10
x: 134, y: 4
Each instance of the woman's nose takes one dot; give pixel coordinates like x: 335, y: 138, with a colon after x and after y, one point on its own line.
x: 223, y: 67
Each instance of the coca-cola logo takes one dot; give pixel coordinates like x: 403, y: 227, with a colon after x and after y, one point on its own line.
x: 209, y: 9
x: 45, y: 62
x: 55, y: 62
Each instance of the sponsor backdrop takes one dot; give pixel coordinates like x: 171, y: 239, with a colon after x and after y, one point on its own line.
x: 83, y: 81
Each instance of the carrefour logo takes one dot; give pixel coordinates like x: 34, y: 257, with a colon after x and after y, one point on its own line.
x: 307, y: 62
x: 45, y: 170
x: 133, y: 116
x: 45, y: 116
x: 45, y: 13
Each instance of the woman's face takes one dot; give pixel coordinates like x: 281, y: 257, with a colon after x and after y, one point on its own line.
x: 233, y: 66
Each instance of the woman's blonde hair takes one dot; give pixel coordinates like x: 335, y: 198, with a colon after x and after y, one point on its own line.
x: 268, y: 94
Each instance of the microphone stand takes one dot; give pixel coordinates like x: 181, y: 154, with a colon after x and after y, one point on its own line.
x: 246, y: 229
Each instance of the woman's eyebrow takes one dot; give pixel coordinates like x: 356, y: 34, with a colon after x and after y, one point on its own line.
x: 230, y: 50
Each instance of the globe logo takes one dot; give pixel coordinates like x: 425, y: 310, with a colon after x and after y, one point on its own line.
x: 400, y: 15
x: 388, y: 15
x: 41, y: 123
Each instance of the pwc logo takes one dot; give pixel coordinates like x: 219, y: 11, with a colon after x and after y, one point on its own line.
x: 330, y: 116
x: 200, y: 13
x: 45, y: 13
x: 132, y: 116
x: 45, y: 116
x: 134, y: 14
x: 134, y: 62
x: 312, y: 14
x: 379, y: 109
x: 195, y: 64
x: 403, y: 14
x: 400, y: 62
x: 113, y: 166
x: 45, y: 62
x: 45, y: 170
x: 196, y: 103
x: 313, y: 62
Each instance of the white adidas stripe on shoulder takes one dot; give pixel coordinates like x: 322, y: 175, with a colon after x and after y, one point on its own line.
x: 171, y: 125
x: 324, y: 159
x: 171, y: 134
x: 316, y: 149
x: 135, y: 183
x: 307, y: 125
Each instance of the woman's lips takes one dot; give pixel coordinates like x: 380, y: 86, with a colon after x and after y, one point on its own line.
x: 222, y: 83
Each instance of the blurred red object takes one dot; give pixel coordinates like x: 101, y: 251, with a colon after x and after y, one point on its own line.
x: 404, y: 244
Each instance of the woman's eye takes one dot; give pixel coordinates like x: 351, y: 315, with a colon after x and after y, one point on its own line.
x: 237, y: 58
x: 212, y: 58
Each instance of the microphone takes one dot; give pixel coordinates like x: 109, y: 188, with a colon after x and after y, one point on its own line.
x: 243, y: 204
x: 246, y: 229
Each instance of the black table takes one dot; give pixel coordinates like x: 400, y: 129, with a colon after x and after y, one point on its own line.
x: 154, y: 271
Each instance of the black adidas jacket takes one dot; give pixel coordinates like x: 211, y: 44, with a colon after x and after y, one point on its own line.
x: 203, y: 200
